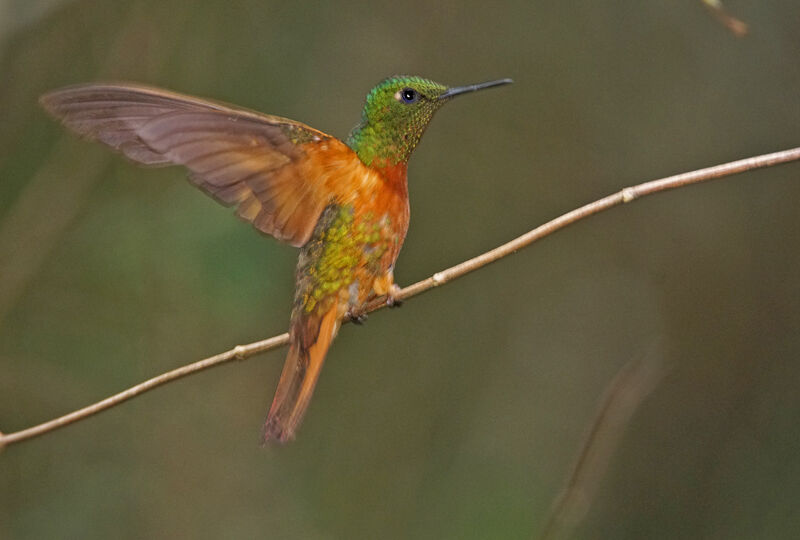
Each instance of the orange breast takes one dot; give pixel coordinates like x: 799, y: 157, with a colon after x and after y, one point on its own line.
x: 374, y: 192
x: 360, y: 233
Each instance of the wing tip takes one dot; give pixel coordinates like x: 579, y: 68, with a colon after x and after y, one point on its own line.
x: 52, y: 99
x: 48, y: 101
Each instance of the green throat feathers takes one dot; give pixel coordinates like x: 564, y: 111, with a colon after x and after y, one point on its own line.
x: 395, y: 116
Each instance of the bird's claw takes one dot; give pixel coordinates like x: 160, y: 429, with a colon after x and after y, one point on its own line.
x: 392, y: 299
x: 357, y: 316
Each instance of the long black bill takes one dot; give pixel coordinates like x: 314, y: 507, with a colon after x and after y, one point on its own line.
x: 473, y: 88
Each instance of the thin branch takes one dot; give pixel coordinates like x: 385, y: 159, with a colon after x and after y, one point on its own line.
x: 737, y: 27
x: 52, y: 199
x: 623, y: 395
x: 43, y: 211
x: 241, y: 352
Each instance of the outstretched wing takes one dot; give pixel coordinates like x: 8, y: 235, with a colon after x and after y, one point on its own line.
x: 275, y: 170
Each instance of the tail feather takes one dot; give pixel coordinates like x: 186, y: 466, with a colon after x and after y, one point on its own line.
x: 311, y: 338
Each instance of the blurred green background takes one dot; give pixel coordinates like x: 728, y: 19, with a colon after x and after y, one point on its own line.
x: 461, y: 414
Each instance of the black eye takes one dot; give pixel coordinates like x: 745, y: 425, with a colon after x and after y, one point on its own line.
x: 409, y: 95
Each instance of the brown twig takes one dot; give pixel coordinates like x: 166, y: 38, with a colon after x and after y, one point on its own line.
x: 626, y: 195
x: 737, y: 27
x: 51, y: 200
x: 41, y: 214
x: 623, y: 395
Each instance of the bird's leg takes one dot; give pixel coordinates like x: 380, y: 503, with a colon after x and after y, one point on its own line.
x: 385, y: 286
x: 391, y: 296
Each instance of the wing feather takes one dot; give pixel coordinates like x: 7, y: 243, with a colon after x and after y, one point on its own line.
x: 268, y: 167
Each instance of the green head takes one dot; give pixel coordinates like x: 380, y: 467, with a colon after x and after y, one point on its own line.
x: 396, y: 114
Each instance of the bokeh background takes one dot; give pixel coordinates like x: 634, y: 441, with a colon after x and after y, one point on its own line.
x: 461, y: 414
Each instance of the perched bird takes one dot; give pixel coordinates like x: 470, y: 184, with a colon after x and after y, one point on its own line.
x: 345, y: 204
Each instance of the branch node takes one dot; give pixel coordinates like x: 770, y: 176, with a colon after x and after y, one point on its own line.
x: 628, y: 194
x: 240, y: 352
x: 438, y: 278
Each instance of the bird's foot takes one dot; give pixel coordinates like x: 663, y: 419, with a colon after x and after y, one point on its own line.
x: 392, y: 299
x: 357, y: 315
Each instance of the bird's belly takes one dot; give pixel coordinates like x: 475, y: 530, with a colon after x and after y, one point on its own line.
x: 347, y: 252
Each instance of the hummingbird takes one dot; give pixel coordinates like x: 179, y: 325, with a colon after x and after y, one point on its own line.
x: 343, y: 203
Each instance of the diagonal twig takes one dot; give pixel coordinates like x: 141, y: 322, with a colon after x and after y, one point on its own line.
x: 737, y: 27
x: 620, y: 400
x: 241, y: 352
